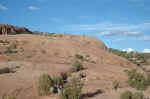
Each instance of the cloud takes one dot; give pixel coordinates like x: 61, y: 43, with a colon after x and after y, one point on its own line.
x: 128, y: 50
x: 144, y: 38
x: 111, y: 33
x: 109, y: 26
x: 146, y: 50
x: 55, y: 19
x: 109, y: 29
x: 119, y: 39
x: 33, y: 8
x: 3, y: 7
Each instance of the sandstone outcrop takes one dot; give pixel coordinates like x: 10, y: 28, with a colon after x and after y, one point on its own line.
x: 9, y: 29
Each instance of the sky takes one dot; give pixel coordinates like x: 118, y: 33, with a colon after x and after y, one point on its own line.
x: 120, y: 24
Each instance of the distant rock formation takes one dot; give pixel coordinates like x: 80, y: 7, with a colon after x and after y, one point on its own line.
x: 9, y: 29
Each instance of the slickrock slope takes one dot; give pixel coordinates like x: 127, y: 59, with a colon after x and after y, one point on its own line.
x: 31, y: 55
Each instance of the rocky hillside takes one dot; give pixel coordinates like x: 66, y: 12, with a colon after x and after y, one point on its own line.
x: 14, y: 29
x: 30, y: 55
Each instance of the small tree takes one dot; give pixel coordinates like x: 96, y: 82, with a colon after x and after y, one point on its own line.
x: 44, y: 84
x: 72, y: 90
x: 5, y: 70
x: 130, y: 95
x: 138, y: 95
x: 57, y: 80
x: 77, y: 66
x: 78, y: 56
x: 115, y: 84
x: 126, y: 95
x: 137, y: 80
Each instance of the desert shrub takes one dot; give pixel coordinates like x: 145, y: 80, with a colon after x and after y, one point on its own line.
x: 71, y: 90
x: 126, y: 95
x: 115, y: 85
x: 8, y: 97
x: 78, y: 56
x: 57, y: 80
x: 138, y: 95
x: 4, y: 41
x: 5, y: 70
x: 130, y: 95
x: 77, y: 66
x: 137, y: 80
x: 44, y: 84
x: 9, y: 51
x: 13, y: 46
x: 48, y: 84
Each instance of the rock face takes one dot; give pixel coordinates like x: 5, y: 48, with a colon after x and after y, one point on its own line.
x: 32, y: 55
x: 9, y: 29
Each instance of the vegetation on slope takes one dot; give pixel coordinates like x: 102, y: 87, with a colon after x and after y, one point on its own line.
x: 135, y: 57
x: 72, y: 89
x: 138, y: 80
x: 130, y: 95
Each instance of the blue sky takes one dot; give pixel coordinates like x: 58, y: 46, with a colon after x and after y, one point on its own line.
x: 120, y: 24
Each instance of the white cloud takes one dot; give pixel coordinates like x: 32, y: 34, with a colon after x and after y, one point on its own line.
x: 33, y: 8
x: 128, y: 50
x: 145, y: 38
x: 111, y: 33
x: 110, y: 29
x: 3, y: 7
x: 119, y: 39
x: 110, y: 26
x: 142, y: 38
x: 146, y: 51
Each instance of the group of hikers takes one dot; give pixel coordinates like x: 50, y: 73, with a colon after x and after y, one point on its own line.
x: 58, y: 86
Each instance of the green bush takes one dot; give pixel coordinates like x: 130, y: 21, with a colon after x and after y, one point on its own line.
x: 72, y: 90
x: 5, y: 70
x: 78, y: 56
x: 4, y: 41
x: 9, y: 51
x: 130, y: 95
x: 77, y: 66
x: 138, y: 95
x: 44, y: 84
x: 8, y: 97
x: 57, y: 80
x: 137, y: 80
x: 13, y: 46
x: 126, y: 95
x: 115, y: 85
